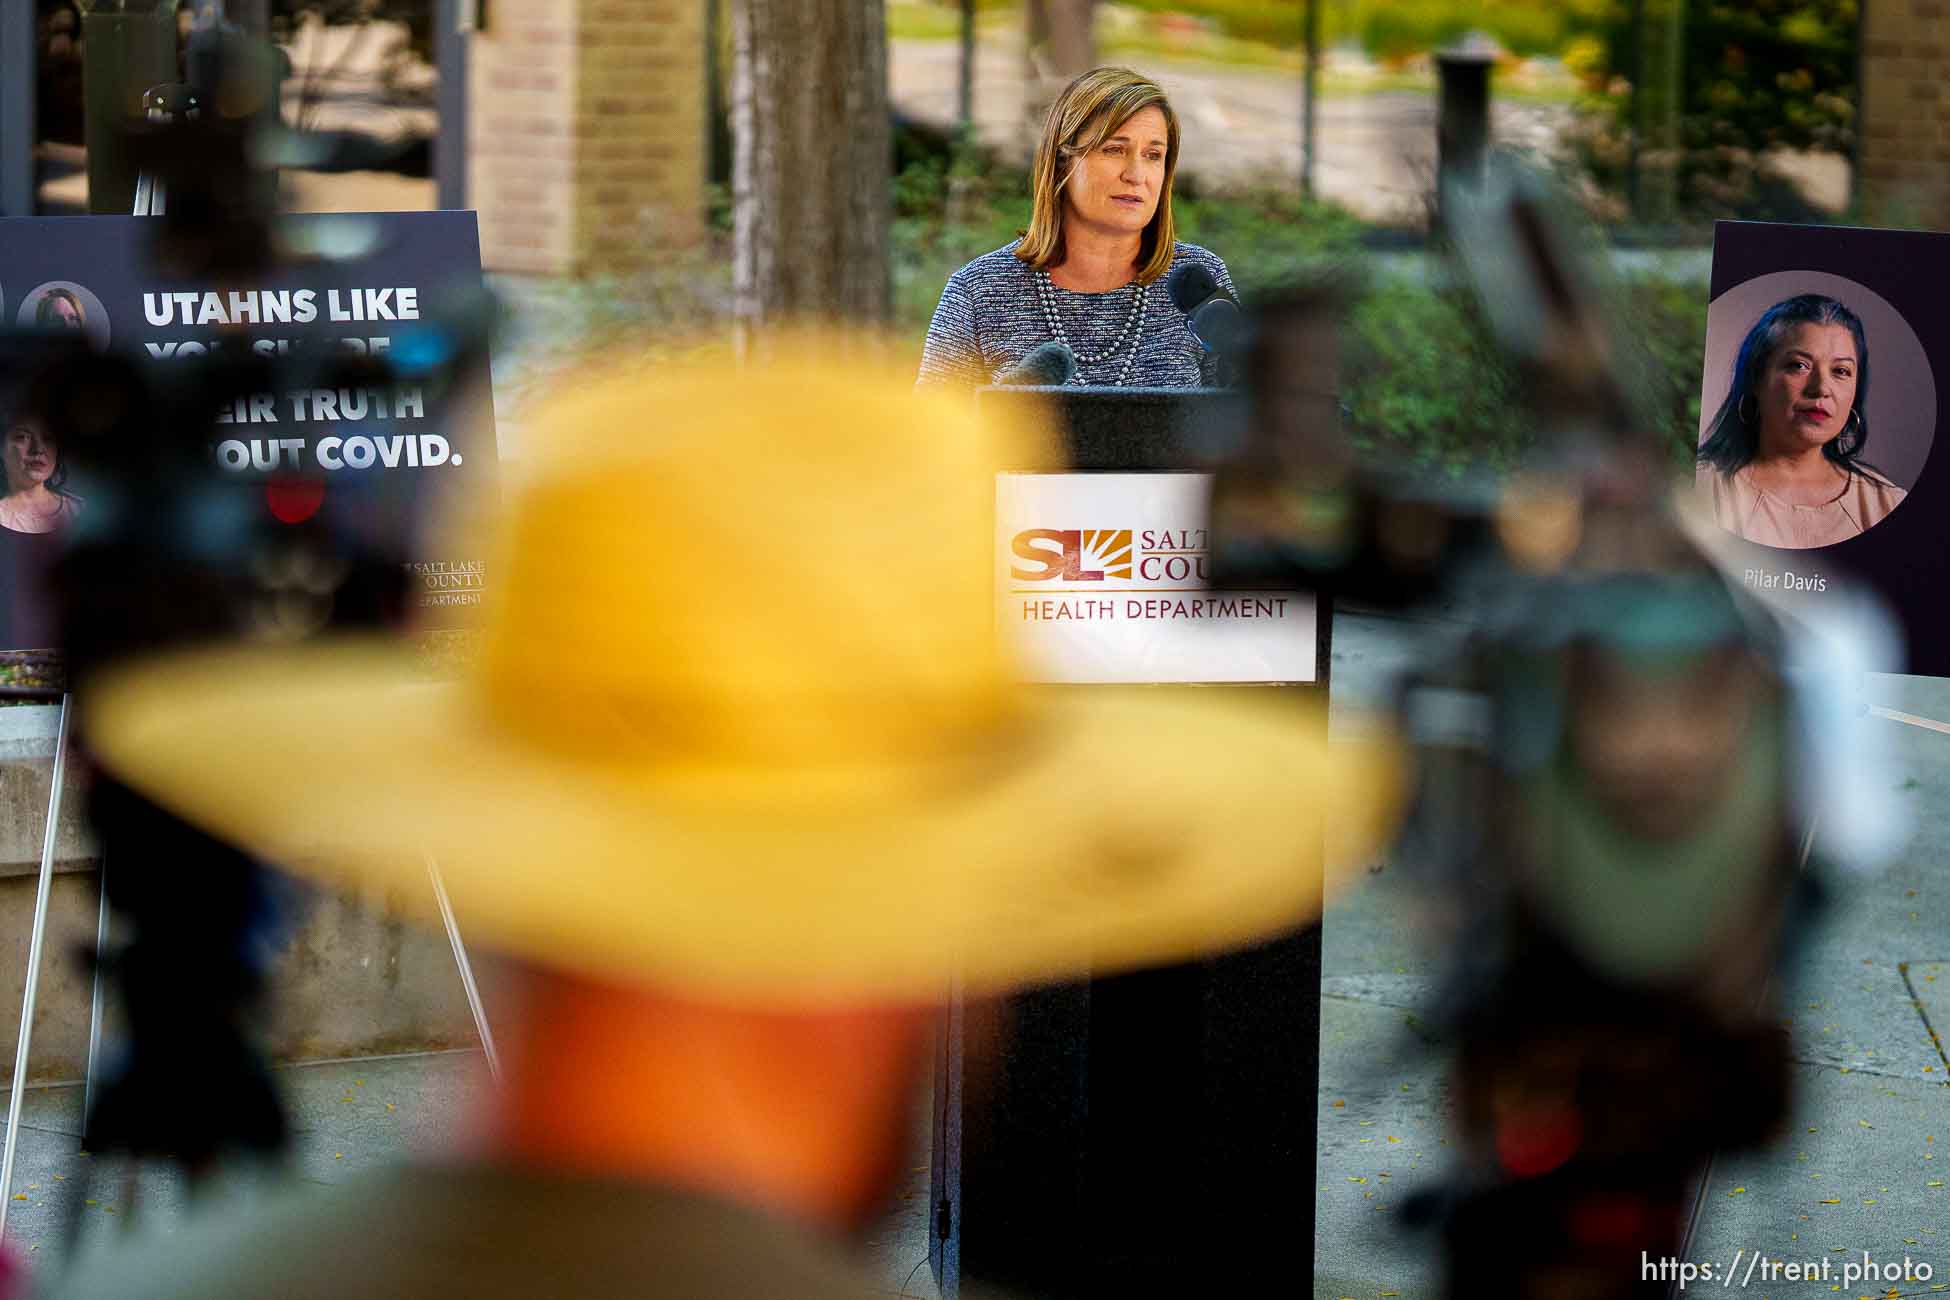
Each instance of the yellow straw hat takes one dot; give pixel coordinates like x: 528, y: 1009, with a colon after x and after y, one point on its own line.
x: 741, y: 724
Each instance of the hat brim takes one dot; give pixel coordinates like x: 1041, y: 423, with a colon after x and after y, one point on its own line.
x: 1114, y: 828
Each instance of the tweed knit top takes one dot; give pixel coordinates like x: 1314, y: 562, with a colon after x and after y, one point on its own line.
x: 990, y: 318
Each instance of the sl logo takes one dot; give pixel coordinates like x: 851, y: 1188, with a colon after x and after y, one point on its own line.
x: 1073, y: 554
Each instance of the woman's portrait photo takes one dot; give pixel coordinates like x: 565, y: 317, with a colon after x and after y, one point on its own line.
x: 1090, y: 271
x: 36, y: 499
x: 60, y: 309
x: 1800, y: 449
x: 62, y: 305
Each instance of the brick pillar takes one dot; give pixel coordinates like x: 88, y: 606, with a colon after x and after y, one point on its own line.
x: 587, y: 133
x: 1904, y: 179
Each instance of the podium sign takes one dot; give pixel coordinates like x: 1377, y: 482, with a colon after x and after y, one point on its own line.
x: 1101, y: 579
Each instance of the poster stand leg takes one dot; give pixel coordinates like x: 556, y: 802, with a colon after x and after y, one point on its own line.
x: 465, y: 967
x: 97, y: 997
x: 19, y: 1085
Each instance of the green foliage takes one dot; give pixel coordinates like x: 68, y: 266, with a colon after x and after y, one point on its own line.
x: 30, y: 668
x: 947, y: 212
x: 936, y: 20
x: 1424, y: 383
x: 1765, y: 74
x: 1396, y: 30
x: 1664, y: 320
x: 1758, y: 75
x: 1391, y: 29
x: 1269, y: 235
x: 1275, y: 22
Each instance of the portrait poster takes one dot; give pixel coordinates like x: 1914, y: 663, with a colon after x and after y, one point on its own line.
x: 1818, y: 420
x: 369, y: 460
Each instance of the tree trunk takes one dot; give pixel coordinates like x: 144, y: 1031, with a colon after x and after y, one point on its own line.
x: 1310, y: 101
x: 965, y: 98
x: 811, y: 183
x: 1061, y: 44
x: 1658, y: 104
x: 717, y: 75
x: 1072, y: 36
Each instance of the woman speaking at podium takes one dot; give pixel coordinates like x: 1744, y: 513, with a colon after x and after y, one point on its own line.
x: 1090, y: 271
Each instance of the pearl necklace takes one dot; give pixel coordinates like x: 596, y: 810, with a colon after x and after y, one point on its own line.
x: 1140, y: 306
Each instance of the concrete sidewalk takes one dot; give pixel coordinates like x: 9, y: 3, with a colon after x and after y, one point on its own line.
x: 349, y: 1117
x: 1861, y: 1166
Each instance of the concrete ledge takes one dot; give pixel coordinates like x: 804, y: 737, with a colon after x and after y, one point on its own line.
x: 354, y: 978
x: 350, y: 981
x: 27, y: 736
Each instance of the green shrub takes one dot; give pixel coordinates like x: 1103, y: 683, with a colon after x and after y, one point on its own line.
x: 1758, y: 76
x: 1424, y: 383
x: 39, y: 670
x: 1388, y: 28
x: 1529, y: 30
x: 1665, y: 320
x: 1269, y: 236
x: 1397, y: 31
x: 1274, y: 22
x: 945, y: 215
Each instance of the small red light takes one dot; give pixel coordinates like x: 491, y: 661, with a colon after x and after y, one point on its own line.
x: 294, y: 500
x: 1536, y: 1143
x: 1619, y: 1221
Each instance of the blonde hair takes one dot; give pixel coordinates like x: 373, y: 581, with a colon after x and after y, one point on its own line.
x: 1090, y: 110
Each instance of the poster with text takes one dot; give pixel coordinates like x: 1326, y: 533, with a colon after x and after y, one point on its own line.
x: 371, y: 458
x: 1818, y: 419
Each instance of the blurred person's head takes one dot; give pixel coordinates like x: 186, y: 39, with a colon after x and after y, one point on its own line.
x: 1105, y: 162
x: 61, y: 309
x: 1800, y: 383
x: 1653, y: 832
x: 1659, y: 744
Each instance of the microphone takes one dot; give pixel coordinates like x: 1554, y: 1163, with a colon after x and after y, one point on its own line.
x: 1214, y: 318
x: 1048, y: 365
x: 1191, y: 286
x: 1220, y: 327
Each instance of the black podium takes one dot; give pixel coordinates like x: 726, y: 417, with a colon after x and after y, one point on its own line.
x: 1149, y: 1133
